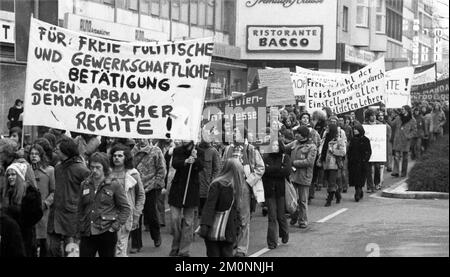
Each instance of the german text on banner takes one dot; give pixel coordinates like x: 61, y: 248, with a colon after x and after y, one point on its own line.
x: 96, y: 86
x: 377, y: 136
x: 434, y: 91
x: 363, y: 88
x: 398, y: 87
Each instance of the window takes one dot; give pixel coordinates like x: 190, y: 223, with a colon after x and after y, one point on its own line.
x: 345, y: 19
x: 194, y: 10
x: 218, y: 16
x: 381, y: 17
x: 121, y: 4
x: 145, y: 6
x: 155, y: 7
x: 165, y: 7
x: 110, y: 2
x: 184, y: 11
x: 133, y: 5
x: 201, y: 12
x: 425, y: 53
x: 362, y: 13
x: 210, y: 14
x: 176, y: 10
x: 394, y: 24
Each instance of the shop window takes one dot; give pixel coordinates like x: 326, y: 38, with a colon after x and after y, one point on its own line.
x: 155, y: 5
x: 210, y: 14
x: 218, y: 15
x: 184, y: 11
x: 362, y: 13
x: 381, y: 17
x: 217, y: 85
x: 194, y: 12
x: 175, y: 10
x: 345, y: 19
x: 201, y: 12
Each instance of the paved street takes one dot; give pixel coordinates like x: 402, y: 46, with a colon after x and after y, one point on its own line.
x: 375, y: 226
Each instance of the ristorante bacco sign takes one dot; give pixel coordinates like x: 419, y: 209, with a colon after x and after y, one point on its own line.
x: 284, y: 3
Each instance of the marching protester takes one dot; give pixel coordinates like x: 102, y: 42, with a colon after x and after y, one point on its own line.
x: 87, y: 144
x: 303, y: 154
x: 211, y: 169
x: 373, y: 178
x: 254, y: 168
x: 45, y: 179
x: 149, y: 162
x: 426, y: 114
x: 50, y: 155
x: 359, y: 152
x: 437, y: 122
x: 14, y: 115
x: 184, y: 196
x: 170, y: 173
x: 405, y: 129
x: 416, y: 142
x: 102, y: 210
x: 124, y: 172
x: 320, y: 125
x: 15, y: 133
x: 277, y: 169
x: 62, y: 219
x: 389, y: 158
x: 349, y: 135
x: 223, y: 198
x: 331, y: 151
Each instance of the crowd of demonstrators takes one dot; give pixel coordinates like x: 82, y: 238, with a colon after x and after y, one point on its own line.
x: 85, y: 195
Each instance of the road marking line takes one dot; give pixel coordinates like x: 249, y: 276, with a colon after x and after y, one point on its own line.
x: 332, y: 215
x: 260, y: 252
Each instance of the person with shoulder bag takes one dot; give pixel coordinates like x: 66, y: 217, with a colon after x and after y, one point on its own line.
x: 220, y: 221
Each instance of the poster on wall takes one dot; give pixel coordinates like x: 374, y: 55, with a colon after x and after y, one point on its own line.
x: 398, y: 87
x: 90, y: 85
x: 362, y: 88
x: 377, y: 136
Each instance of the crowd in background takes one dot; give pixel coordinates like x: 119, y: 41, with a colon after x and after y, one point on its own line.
x: 85, y: 195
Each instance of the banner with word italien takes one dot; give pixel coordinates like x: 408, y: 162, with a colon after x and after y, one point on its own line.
x: 91, y: 85
x: 363, y: 88
x: 433, y: 91
x: 398, y: 87
x: 377, y: 136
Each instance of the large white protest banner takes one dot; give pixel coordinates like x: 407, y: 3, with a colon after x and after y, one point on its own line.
x: 91, y: 85
x: 398, y: 87
x: 363, y: 88
x: 377, y: 136
x: 424, y: 74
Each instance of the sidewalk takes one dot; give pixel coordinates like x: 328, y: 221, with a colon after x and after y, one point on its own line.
x: 400, y: 190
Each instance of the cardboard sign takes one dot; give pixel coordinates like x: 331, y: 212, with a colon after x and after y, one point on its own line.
x: 91, y: 85
x: 377, y: 136
x: 279, y: 86
x: 398, y: 87
x: 363, y: 88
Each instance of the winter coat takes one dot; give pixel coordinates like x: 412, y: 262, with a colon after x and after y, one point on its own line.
x: 427, y: 120
x: 404, y: 134
x: 132, y: 184
x: 150, y: 163
x: 210, y: 170
x: 100, y: 210
x: 303, y: 156
x: 219, y: 199
x: 336, y: 151
x: 45, y: 179
x: 358, y: 155
x: 177, y: 189
x: 11, y: 241
x: 437, y: 122
x: 277, y: 169
x: 62, y: 218
x: 420, y: 125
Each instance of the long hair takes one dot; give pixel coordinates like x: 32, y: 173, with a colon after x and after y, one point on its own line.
x: 128, y: 163
x: 14, y: 194
x: 42, y: 155
x: 232, y: 174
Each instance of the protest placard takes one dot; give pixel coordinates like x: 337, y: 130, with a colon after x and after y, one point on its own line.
x: 424, y: 74
x: 279, y: 86
x: 431, y: 91
x: 377, y: 136
x: 363, y: 88
x: 96, y: 86
x: 398, y: 87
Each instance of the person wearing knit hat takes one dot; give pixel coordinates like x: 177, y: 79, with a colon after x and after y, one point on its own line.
x: 19, y: 168
x: 303, y: 157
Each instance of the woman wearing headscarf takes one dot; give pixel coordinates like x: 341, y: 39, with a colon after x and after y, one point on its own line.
x: 359, y: 152
x: 405, y: 129
x: 224, y: 194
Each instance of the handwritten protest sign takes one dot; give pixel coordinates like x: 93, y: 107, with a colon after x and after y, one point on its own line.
x: 96, y: 86
x: 431, y: 91
x: 279, y: 86
x: 363, y: 88
x: 377, y: 136
x: 398, y: 87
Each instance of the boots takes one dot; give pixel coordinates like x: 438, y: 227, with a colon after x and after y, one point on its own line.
x: 329, y: 199
x: 357, y: 194
x: 338, y: 196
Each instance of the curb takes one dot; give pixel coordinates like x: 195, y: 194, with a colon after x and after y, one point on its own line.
x: 400, y: 190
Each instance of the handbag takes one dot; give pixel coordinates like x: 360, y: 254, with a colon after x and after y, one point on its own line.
x: 291, y: 196
x: 217, y: 230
